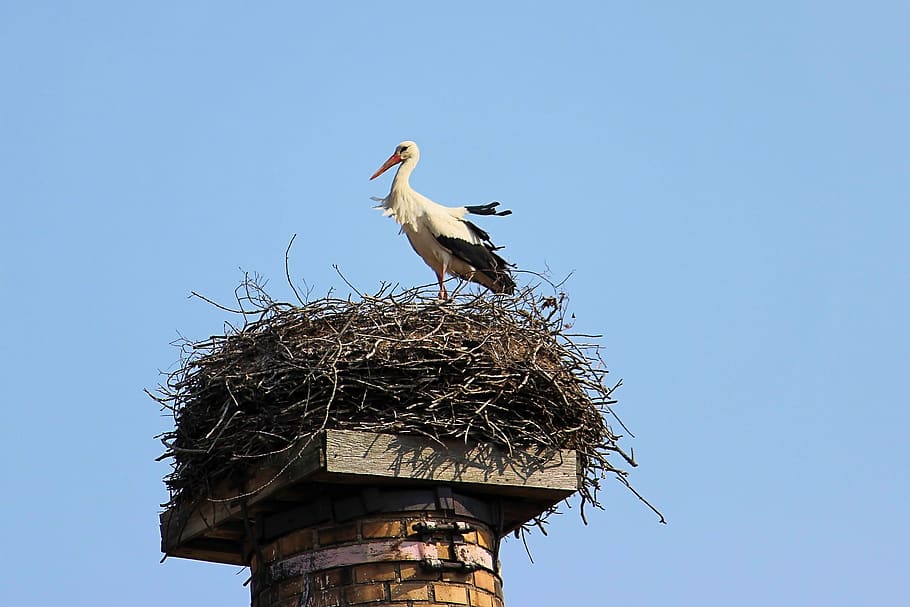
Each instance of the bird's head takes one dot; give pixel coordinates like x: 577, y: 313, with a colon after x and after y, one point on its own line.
x: 406, y: 150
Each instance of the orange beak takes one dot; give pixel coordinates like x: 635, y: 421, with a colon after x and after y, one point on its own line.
x: 392, y: 161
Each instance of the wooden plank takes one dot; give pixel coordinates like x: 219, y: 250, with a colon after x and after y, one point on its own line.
x: 213, y: 551
x: 366, y: 454
x: 183, y: 524
x: 187, y: 522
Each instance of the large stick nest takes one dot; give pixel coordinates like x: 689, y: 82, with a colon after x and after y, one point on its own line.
x: 489, y: 369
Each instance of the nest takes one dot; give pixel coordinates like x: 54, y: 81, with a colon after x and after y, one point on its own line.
x: 488, y: 369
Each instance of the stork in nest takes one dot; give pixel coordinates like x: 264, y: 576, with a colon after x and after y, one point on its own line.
x: 441, y: 235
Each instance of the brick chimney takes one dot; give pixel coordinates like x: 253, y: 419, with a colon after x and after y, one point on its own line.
x: 392, y: 559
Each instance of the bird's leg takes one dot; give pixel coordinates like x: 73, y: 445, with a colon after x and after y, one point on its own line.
x: 441, y: 277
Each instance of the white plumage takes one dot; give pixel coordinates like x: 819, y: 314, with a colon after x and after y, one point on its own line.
x: 441, y: 235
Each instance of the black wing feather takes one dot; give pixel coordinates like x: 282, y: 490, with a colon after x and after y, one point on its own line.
x: 480, y: 232
x: 482, y: 256
x: 487, y: 209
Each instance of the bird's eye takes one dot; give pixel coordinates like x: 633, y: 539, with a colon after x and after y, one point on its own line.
x: 403, y: 148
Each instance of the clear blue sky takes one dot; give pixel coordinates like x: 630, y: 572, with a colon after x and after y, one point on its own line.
x: 727, y: 181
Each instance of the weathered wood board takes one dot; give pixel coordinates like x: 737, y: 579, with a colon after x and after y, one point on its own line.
x: 365, y: 454
x: 182, y: 524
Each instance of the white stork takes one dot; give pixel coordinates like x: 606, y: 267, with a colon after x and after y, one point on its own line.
x: 441, y: 235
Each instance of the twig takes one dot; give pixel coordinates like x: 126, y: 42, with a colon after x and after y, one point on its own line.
x: 287, y: 270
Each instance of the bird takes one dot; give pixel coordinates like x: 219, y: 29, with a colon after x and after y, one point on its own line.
x: 441, y: 235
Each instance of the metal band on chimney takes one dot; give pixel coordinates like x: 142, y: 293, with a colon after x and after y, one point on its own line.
x: 472, y: 556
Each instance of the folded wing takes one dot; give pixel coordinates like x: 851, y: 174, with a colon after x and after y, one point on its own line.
x: 471, y: 244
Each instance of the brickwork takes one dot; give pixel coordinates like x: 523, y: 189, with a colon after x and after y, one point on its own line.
x: 385, y: 583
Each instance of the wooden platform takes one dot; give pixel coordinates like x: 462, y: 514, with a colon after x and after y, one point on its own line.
x: 341, y: 463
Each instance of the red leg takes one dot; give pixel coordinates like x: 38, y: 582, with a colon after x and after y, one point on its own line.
x: 441, y: 277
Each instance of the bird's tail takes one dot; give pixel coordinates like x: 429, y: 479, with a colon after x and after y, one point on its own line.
x: 502, y: 278
x: 504, y: 284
